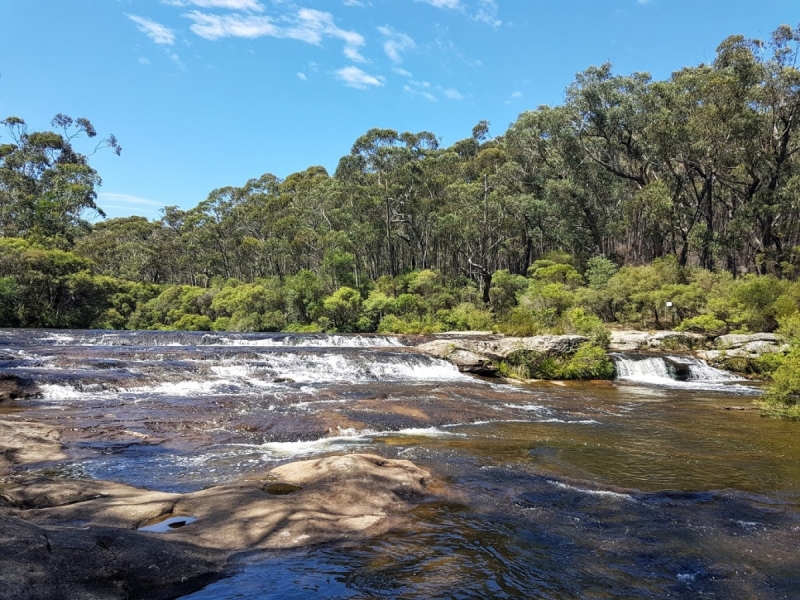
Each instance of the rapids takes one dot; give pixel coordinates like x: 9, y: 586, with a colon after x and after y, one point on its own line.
x: 645, y: 487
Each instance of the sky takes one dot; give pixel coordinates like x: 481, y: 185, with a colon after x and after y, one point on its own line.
x: 203, y: 94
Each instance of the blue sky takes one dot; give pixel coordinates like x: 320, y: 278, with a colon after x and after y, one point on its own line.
x: 207, y: 93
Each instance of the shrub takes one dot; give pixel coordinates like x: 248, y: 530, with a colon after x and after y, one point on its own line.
x: 707, y: 324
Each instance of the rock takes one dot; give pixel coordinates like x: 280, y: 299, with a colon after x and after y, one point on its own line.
x: 24, y: 443
x: 672, y: 339
x: 44, y: 563
x: 631, y: 341
x: 738, y: 340
x: 13, y: 387
x: 481, y: 356
x: 79, y: 538
x: 628, y: 341
x: 334, y: 498
x: 763, y: 347
x: 466, y: 361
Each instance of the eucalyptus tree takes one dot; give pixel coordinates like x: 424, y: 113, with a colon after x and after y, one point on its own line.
x: 47, y: 188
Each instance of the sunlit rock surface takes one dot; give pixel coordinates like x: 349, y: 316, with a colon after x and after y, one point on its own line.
x: 67, y: 538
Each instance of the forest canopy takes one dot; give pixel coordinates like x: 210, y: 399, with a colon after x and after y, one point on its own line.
x: 632, y: 192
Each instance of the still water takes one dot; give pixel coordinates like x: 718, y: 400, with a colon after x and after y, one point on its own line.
x: 646, y: 487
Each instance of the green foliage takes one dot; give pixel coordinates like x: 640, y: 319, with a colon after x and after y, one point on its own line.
x: 707, y: 324
x: 589, y: 362
x: 591, y: 326
x: 599, y: 271
x: 343, y: 308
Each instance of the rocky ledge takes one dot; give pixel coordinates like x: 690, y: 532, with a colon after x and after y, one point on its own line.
x: 65, y: 538
x: 486, y: 356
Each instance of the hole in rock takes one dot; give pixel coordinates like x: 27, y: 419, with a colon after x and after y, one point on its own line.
x: 170, y: 523
x: 282, y: 489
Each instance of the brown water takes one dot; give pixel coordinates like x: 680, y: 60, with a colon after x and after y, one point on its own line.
x: 639, y: 489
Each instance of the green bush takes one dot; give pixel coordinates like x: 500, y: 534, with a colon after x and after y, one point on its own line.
x: 589, y: 362
x: 707, y: 324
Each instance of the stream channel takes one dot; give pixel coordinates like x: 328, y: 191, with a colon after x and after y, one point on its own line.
x: 645, y: 487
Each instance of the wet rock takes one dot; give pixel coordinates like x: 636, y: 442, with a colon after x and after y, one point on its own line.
x: 329, y: 499
x: 13, y: 387
x: 44, y: 563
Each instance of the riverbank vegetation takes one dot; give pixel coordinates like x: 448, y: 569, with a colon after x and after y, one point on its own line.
x: 632, y: 194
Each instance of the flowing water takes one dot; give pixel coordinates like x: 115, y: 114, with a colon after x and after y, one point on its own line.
x: 656, y: 485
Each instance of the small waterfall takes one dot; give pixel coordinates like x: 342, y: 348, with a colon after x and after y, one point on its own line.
x: 669, y: 370
x: 194, y: 339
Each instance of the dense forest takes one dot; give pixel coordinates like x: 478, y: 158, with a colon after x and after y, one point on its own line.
x: 632, y: 193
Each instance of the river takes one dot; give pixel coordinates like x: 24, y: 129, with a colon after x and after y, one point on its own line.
x: 645, y: 487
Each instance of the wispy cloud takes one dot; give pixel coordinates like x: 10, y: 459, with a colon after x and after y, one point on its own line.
x: 126, y: 201
x: 353, y: 3
x: 403, y: 72
x: 307, y: 25
x: 356, y: 78
x: 144, y: 61
x: 423, y: 89
x: 246, y: 5
x: 302, y: 76
x: 155, y: 31
x: 487, y: 13
x: 442, y: 3
x: 395, y: 43
x: 453, y: 94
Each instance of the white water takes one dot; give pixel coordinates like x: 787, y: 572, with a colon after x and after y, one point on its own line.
x: 662, y: 371
x: 188, y: 339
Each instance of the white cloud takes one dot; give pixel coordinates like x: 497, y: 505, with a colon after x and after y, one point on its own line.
x: 213, y: 27
x: 442, y: 3
x: 176, y: 59
x: 144, y: 61
x: 247, y: 5
x: 155, y: 31
x: 395, y: 43
x: 356, y: 78
x: 307, y: 25
x: 453, y: 94
x: 127, y: 199
x: 420, y: 88
x: 487, y: 13
x: 402, y: 72
x: 302, y: 76
x: 353, y: 3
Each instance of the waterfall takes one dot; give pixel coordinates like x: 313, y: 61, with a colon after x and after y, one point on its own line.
x: 669, y: 370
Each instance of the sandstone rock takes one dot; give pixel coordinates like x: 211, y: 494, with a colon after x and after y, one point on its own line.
x: 26, y: 443
x: 628, y: 341
x: 739, y: 340
x: 45, y: 563
x: 670, y: 339
x: 481, y: 355
x: 466, y: 361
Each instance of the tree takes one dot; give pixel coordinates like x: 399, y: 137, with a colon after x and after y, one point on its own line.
x: 46, y: 186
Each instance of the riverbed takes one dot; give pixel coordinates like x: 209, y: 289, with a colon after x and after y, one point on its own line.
x: 645, y: 487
